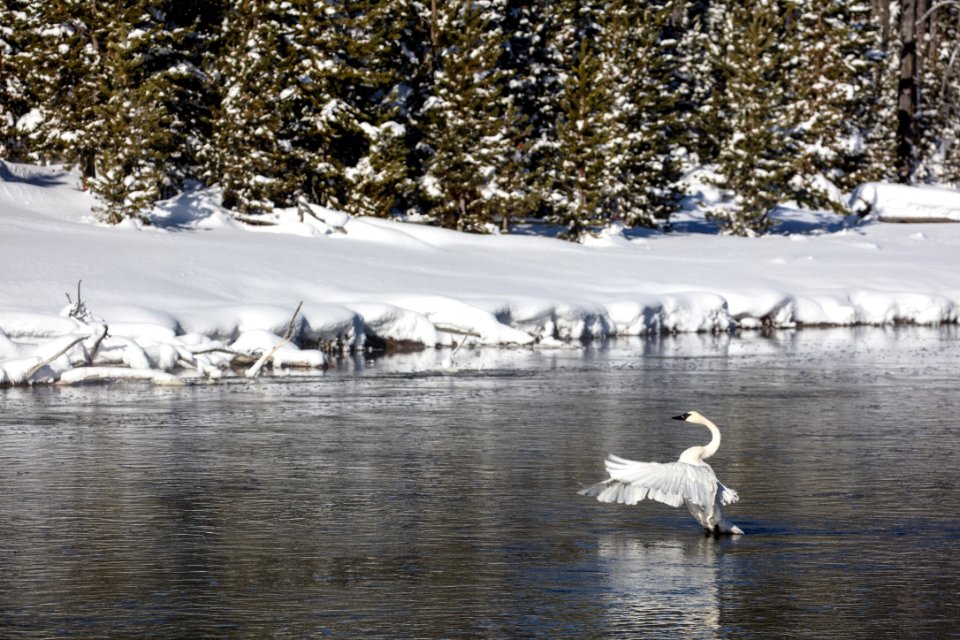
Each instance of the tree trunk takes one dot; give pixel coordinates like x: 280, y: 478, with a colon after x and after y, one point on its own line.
x: 883, y: 10
x: 907, y: 91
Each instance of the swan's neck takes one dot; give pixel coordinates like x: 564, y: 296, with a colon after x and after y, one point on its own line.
x: 714, y: 443
x: 696, y: 455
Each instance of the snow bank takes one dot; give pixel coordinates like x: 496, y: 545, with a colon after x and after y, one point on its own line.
x: 196, y: 294
x: 903, y: 203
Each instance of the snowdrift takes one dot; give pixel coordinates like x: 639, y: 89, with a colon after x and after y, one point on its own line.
x: 197, y: 294
x: 902, y: 203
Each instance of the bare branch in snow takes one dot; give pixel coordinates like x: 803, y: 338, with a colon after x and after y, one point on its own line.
x: 254, y: 371
x: 46, y: 361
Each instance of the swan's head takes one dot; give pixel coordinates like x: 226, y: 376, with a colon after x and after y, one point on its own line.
x: 690, y: 416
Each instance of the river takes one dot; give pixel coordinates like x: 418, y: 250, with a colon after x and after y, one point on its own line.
x: 401, y: 498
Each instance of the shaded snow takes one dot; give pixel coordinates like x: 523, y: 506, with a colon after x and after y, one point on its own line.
x: 195, y: 280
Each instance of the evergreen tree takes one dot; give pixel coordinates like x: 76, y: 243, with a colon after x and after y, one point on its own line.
x: 747, y: 115
x: 282, y: 131
x: 825, y: 43
x: 645, y: 102
x: 584, y: 146
x: 15, y: 99
x: 258, y: 117
x: 874, y: 100
x: 938, y: 117
x: 390, y: 44
x: 382, y: 181
x: 586, y: 130
x: 908, y: 92
x: 534, y: 65
x: 476, y: 113
x: 151, y: 107
x: 464, y: 123
x: 114, y: 92
x: 56, y: 66
x: 514, y: 188
x: 694, y: 78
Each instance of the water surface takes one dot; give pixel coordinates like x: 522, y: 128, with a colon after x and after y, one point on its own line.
x: 402, y: 499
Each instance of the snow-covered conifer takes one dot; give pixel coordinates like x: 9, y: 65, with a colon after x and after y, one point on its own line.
x: 579, y: 171
x: 828, y: 75
x: 283, y: 129
x: 747, y: 114
x: 645, y: 186
x: 152, y: 109
x: 389, y: 45
x: 938, y: 117
x: 16, y: 100
x: 57, y: 51
x: 466, y: 130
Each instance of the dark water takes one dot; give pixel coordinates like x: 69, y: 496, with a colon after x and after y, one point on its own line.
x: 398, y: 500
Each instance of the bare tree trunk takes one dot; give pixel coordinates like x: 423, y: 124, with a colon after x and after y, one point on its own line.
x: 907, y: 91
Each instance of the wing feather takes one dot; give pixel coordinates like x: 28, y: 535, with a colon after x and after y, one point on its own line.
x: 670, y: 483
x: 727, y: 495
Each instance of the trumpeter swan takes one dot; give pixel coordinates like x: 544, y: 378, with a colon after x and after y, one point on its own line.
x: 688, y: 481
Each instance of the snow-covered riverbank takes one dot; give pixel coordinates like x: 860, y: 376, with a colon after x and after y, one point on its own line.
x: 195, y: 285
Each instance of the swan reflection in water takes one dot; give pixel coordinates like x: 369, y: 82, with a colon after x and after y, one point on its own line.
x: 669, y: 585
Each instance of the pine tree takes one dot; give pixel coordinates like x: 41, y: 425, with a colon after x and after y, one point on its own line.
x: 382, y: 184
x: 534, y: 64
x: 151, y: 107
x: 938, y: 117
x: 283, y: 131
x: 387, y: 45
x: 824, y: 45
x: 464, y: 124
x: 586, y: 130
x: 535, y: 32
x: 694, y: 78
x: 747, y: 115
x: 584, y: 146
x: 59, y: 54
x: 514, y: 188
x: 872, y: 105
x: 15, y: 97
x: 256, y: 122
x: 875, y: 99
x: 647, y: 170
x: 114, y: 92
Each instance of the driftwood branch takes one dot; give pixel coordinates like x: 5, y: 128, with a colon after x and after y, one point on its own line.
x: 229, y: 352
x: 291, y: 328
x: 449, y: 328
x: 262, y: 220
x: 79, y: 310
x: 304, y: 209
x: 254, y: 371
x: 47, y: 361
x: 96, y: 345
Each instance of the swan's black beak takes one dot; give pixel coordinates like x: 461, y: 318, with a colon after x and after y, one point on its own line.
x: 683, y: 417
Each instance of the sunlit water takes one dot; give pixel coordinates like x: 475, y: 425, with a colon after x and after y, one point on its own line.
x: 397, y: 499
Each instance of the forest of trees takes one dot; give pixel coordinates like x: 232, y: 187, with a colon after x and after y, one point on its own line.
x: 476, y: 114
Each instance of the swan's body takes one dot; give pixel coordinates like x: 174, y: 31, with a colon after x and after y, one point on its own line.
x: 689, y: 481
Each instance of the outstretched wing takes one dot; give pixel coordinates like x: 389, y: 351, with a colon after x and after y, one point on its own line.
x: 670, y: 483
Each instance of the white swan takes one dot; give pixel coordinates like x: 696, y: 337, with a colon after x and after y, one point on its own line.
x: 688, y: 481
